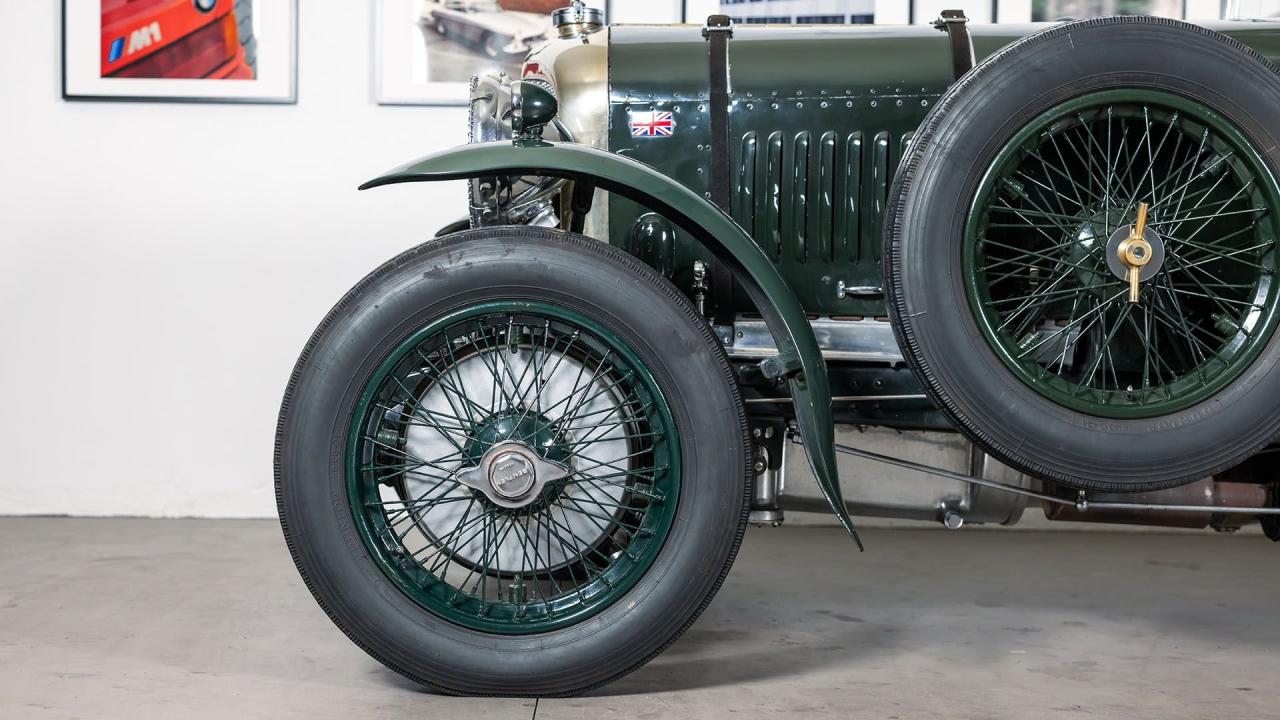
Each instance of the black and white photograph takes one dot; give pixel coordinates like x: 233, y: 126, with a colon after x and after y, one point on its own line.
x: 428, y: 50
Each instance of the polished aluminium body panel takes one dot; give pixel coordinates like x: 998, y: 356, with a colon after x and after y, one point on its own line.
x: 577, y: 69
x: 863, y: 340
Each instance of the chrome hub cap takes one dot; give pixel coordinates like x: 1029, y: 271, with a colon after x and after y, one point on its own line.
x: 511, y: 475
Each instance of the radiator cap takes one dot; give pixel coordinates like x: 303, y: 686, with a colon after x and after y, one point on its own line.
x: 577, y: 19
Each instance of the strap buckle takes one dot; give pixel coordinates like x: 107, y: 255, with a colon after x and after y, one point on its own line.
x: 956, y: 26
x: 950, y: 16
x: 718, y: 24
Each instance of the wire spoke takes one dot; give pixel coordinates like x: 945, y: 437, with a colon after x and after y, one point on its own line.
x: 489, y: 384
x: 1042, y: 264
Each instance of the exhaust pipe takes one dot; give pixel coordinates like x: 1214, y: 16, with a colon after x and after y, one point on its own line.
x: 1203, y: 493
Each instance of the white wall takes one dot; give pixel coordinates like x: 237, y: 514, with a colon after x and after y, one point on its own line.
x: 162, y: 265
x: 652, y: 11
x: 978, y: 11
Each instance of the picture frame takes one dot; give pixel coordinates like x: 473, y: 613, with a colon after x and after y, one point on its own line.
x: 180, y: 51
x: 420, y: 59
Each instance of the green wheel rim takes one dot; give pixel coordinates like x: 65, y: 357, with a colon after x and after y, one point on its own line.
x: 1045, y: 219
x: 463, y: 388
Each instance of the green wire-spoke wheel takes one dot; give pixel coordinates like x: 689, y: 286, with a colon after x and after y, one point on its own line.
x: 1042, y: 254
x: 513, y: 461
x: 513, y: 467
x: 1084, y: 259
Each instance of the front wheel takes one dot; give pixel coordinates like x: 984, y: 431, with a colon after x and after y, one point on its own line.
x: 513, y: 462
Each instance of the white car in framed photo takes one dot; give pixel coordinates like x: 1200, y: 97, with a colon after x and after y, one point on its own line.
x: 485, y: 26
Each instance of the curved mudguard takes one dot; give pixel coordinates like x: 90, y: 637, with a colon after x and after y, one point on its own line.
x: 799, y: 355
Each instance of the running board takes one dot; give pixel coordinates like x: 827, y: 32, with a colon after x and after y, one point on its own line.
x: 864, y: 340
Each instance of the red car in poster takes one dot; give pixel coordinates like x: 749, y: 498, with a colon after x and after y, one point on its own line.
x: 176, y: 39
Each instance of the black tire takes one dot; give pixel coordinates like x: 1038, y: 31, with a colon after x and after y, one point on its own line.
x: 929, y: 205
x: 658, y: 324
x: 1270, y: 527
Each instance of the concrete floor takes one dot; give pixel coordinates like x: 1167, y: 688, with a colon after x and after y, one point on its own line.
x: 195, y: 619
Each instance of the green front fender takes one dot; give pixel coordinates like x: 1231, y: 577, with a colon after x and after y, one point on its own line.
x: 717, y: 231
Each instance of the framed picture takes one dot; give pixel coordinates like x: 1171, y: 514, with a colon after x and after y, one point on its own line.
x: 425, y: 51
x: 242, y: 51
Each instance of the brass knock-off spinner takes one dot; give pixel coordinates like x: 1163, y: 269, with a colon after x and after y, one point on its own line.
x: 1136, y: 253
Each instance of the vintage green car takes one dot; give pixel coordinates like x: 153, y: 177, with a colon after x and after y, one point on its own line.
x: 519, y: 458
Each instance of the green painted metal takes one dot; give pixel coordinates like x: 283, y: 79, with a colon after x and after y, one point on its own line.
x: 1263, y: 37
x: 813, y: 145
x: 815, y: 142
x: 1036, y: 251
x: 531, y: 601
x: 715, y: 230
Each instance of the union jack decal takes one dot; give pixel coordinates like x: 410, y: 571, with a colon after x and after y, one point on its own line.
x: 651, y: 124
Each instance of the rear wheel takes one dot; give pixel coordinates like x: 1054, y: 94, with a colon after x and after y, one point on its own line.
x: 1012, y: 292
x: 513, y: 462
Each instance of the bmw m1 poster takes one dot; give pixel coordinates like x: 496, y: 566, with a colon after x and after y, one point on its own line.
x: 180, y: 50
